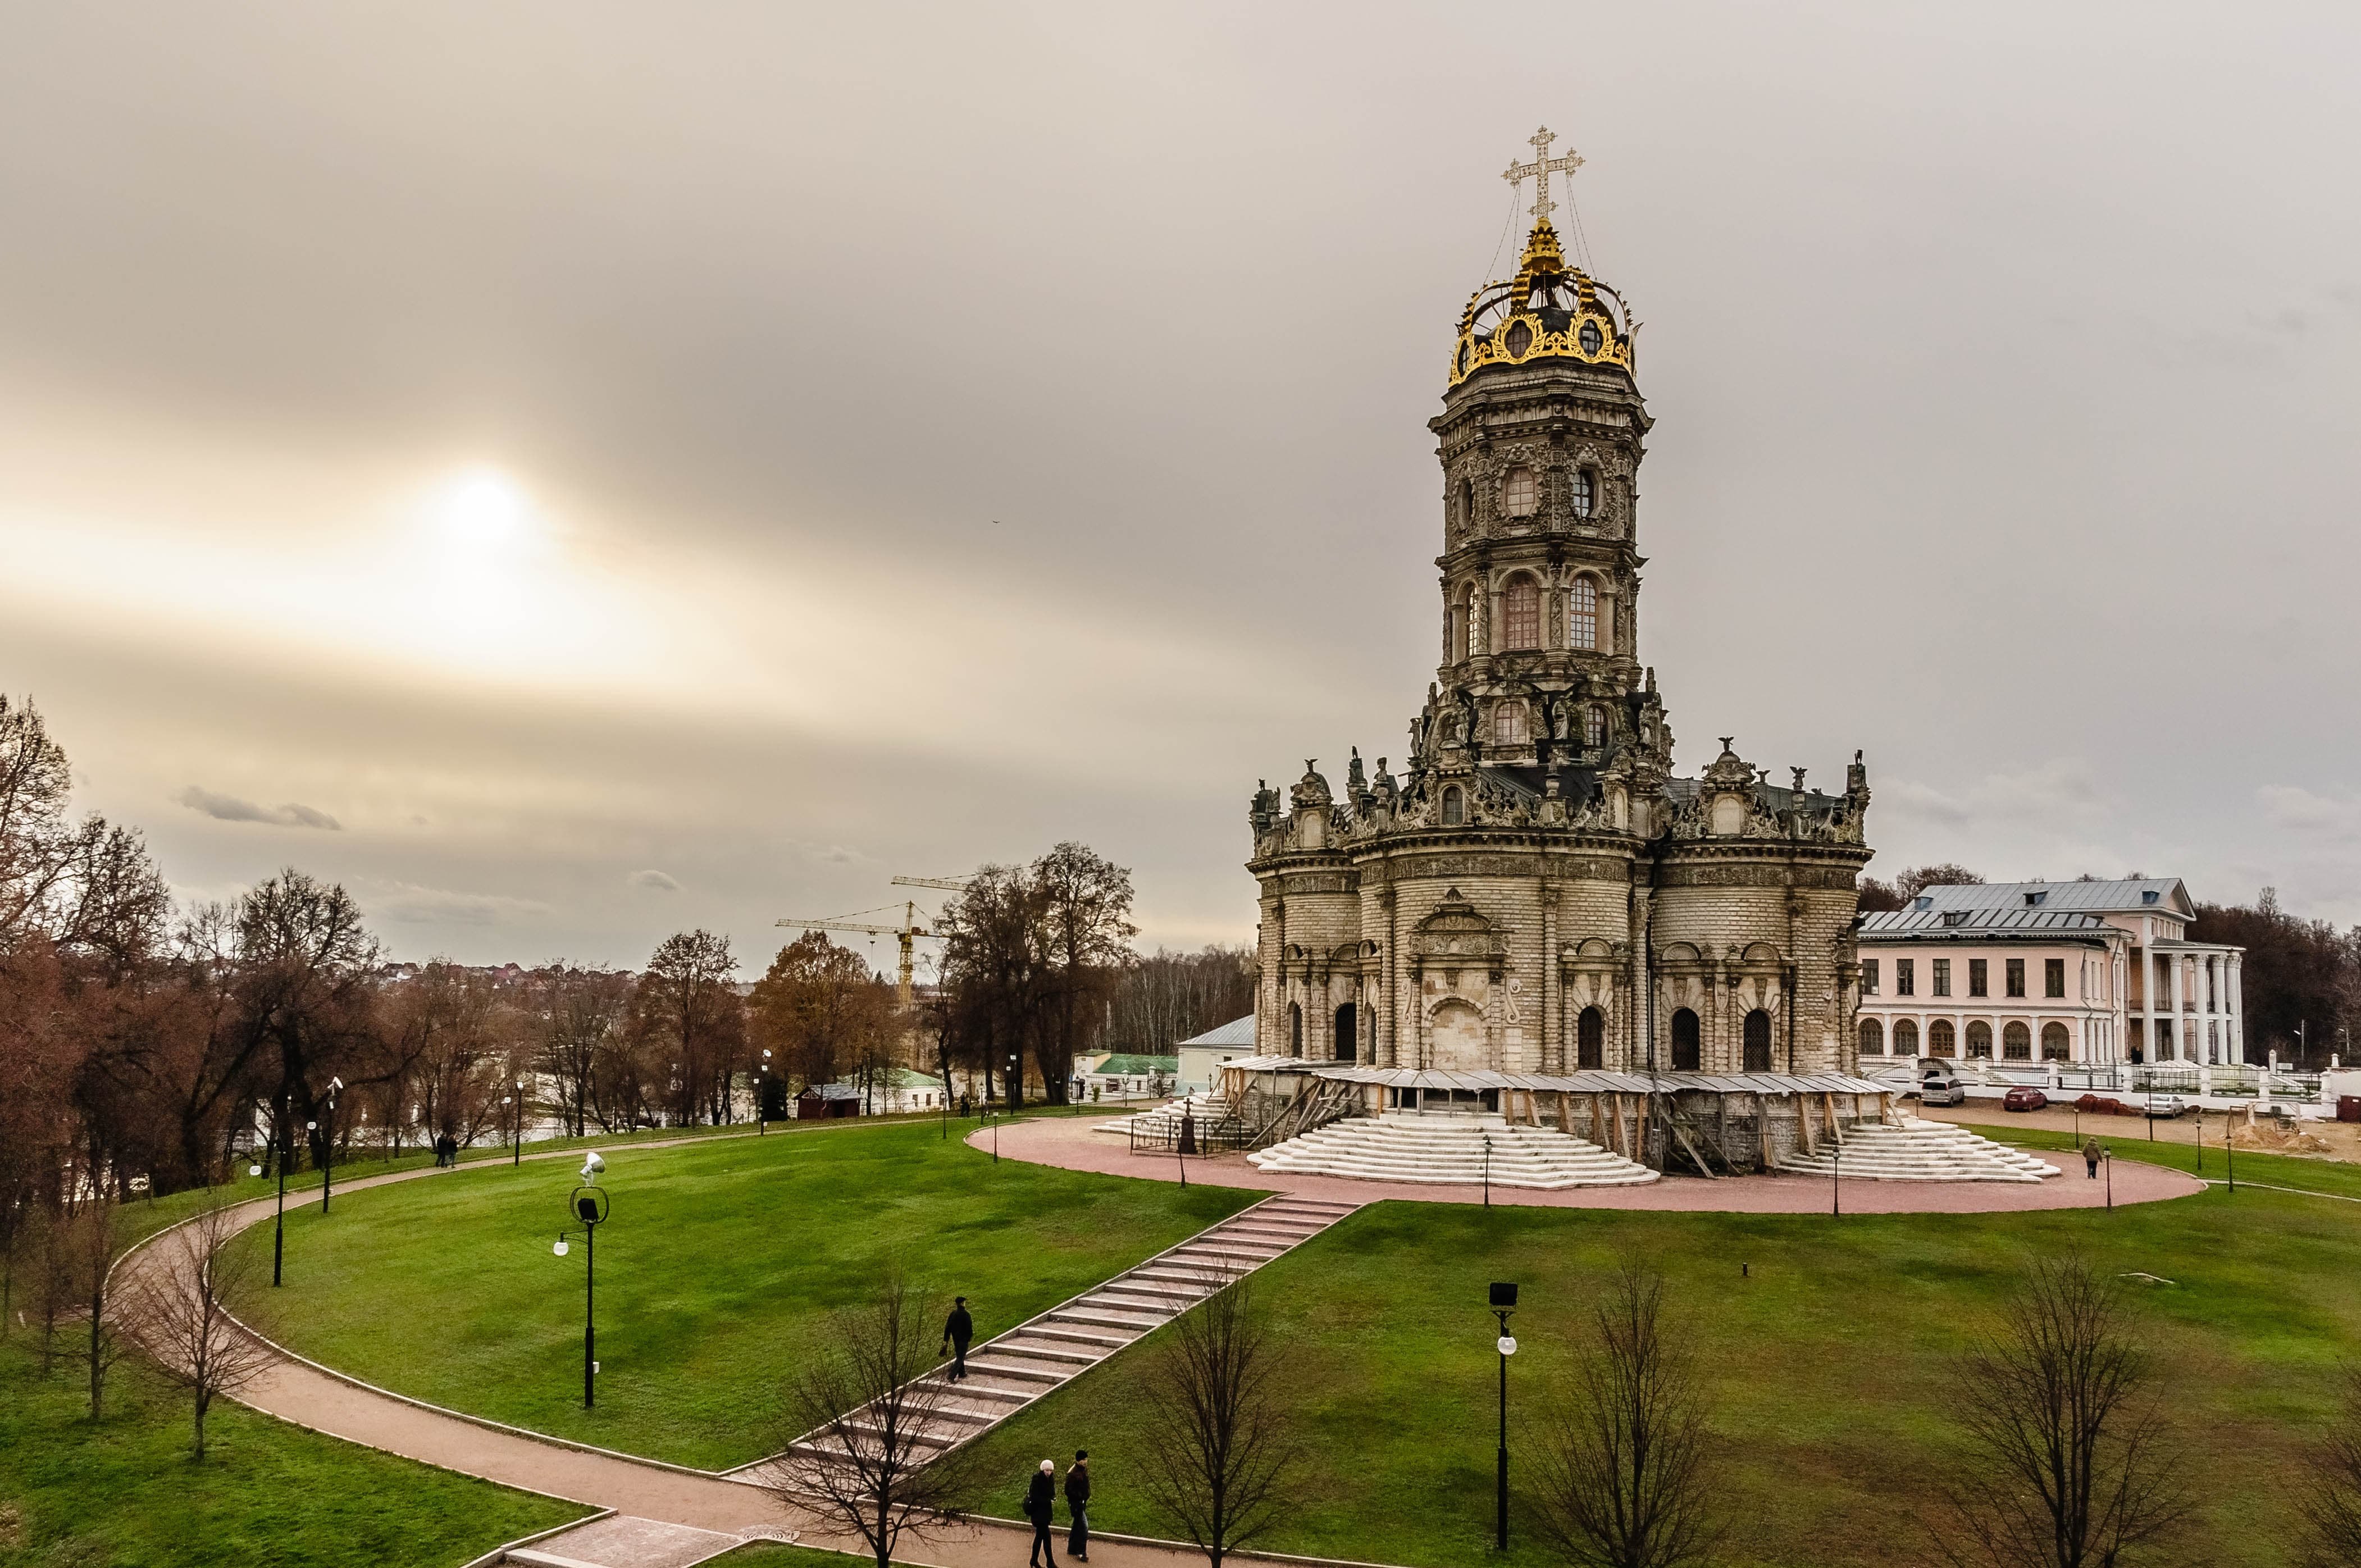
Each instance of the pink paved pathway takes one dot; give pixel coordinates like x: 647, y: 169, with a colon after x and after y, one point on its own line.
x: 1069, y: 1144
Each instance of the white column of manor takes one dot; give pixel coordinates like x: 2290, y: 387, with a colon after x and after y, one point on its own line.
x: 2089, y: 972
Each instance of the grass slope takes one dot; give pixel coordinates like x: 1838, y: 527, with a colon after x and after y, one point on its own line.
x: 715, y: 1271
x: 1826, y: 1346
x: 124, y: 1493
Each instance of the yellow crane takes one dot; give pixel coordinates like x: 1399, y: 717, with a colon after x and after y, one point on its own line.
x: 907, y: 933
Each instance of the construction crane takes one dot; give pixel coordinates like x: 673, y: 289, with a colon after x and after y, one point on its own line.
x: 955, y: 883
x: 906, y: 932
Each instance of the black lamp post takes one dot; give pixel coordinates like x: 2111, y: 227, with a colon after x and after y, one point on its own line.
x: 1836, y: 1183
x: 279, y: 1135
x: 516, y: 1154
x: 2230, y: 1146
x: 328, y: 1143
x: 762, y: 1095
x: 588, y: 1205
x: 1504, y: 1301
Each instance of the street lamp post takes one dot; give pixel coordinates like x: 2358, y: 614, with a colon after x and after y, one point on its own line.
x: 328, y: 1143
x: 1487, y: 1176
x: 589, y: 1205
x: 516, y: 1156
x: 1836, y: 1182
x: 279, y: 1231
x: 762, y: 1097
x: 1504, y: 1302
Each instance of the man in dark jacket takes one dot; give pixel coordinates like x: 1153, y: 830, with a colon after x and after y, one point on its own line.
x: 1040, y: 1506
x: 1078, y: 1503
x: 958, y: 1329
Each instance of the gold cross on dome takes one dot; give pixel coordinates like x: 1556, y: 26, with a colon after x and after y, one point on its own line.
x: 1540, y: 169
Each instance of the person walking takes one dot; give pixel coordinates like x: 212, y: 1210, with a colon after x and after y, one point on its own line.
x: 1078, y: 1503
x: 2091, y: 1155
x: 1040, y: 1505
x: 958, y: 1329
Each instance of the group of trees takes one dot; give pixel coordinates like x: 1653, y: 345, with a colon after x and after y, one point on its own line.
x: 2300, y: 982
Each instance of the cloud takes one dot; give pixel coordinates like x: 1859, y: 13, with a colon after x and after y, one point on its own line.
x: 2291, y: 806
x: 407, y: 904
x: 2058, y: 788
x: 654, y: 879
x: 230, y: 808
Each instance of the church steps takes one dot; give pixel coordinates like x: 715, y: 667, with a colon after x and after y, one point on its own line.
x: 1918, y: 1150
x: 1452, y: 1153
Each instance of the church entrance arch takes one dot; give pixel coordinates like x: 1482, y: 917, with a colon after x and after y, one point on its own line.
x: 1590, y: 1039
x: 1455, y: 1035
x: 1685, y: 1041
x: 1758, y: 1041
x: 1347, y: 1045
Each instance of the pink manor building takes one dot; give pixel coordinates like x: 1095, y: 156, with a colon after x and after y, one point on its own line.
x: 2091, y: 972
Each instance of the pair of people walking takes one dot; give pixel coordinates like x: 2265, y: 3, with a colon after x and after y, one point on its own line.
x: 1040, y: 1507
x: 446, y: 1150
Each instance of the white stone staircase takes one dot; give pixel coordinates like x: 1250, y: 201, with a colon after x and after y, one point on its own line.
x: 1450, y: 1151
x: 1918, y: 1150
x: 1206, y: 1106
x: 1006, y: 1373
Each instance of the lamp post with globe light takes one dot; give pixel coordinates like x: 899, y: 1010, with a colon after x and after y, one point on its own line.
x: 1504, y: 1302
x: 516, y: 1155
x: 327, y: 1141
x: 589, y: 1205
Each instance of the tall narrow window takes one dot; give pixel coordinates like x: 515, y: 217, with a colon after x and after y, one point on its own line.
x: 1518, y: 493
x: 1295, y: 1028
x: 1461, y: 609
x: 1978, y: 985
x: 1454, y: 807
x: 1467, y: 504
x: 1590, y: 1039
x: 1582, y: 614
x: 1508, y: 724
x: 1687, y: 1040
x: 1905, y: 977
x: 1943, y: 978
x: 1585, y: 492
x: 1869, y: 977
x: 1757, y: 1042
x: 2016, y: 977
x: 1521, y: 608
x: 1941, y: 1040
x: 1594, y: 726
x: 1980, y: 1040
x: 2053, y: 977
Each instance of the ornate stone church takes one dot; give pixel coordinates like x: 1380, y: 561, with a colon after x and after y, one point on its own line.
x: 1537, y: 892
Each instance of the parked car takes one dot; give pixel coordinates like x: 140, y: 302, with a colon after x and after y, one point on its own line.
x: 2023, y: 1097
x: 2166, y: 1106
x: 1941, y: 1089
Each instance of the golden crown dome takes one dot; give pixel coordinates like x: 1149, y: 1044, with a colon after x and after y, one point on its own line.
x: 1550, y: 309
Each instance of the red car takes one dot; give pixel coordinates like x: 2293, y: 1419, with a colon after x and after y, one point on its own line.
x: 2024, y: 1099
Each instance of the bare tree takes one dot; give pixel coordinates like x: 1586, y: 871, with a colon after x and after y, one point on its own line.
x: 2074, y: 1467
x: 87, y: 1239
x: 1219, y: 1453
x: 1622, y: 1477
x: 2327, y: 1494
x: 866, y: 1403
x: 179, y: 1311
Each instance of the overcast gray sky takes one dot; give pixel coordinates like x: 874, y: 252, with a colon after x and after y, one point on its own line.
x: 574, y: 471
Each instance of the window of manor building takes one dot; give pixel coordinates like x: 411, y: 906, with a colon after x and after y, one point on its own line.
x: 2053, y: 977
x: 1594, y: 726
x: 1873, y: 1037
x: 1942, y: 976
x: 1941, y: 1041
x: 2016, y: 1041
x: 1980, y: 1040
x: 1521, y: 612
x: 2016, y: 977
x: 1582, y: 614
x: 1508, y: 724
x: 1585, y: 492
x: 1905, y: 1038
x: 2054, y: 1046
x: 1977, y: 985
x: 1519, y: 495
x: 1905, y: 977
x: 1869, y: 977
x: 1454, y: 807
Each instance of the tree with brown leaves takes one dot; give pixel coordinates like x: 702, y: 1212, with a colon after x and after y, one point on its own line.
x: 1220, y: 1457
x: 2072, y: 1464
x: 866, y: 1403
x: 1622, y: 1479
x: 178, y: 1309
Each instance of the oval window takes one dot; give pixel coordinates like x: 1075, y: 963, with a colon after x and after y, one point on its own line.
x: 1520, y: 338
x: 1591, y: 340
x: 1519, y: 495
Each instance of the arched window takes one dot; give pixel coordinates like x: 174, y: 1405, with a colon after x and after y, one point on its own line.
x: 1461, y: 612
x: 1295, y: 1028
x: 1685, y: 1041
x: 2016, y: 1043
x: 1758, y: 1041
x: 2055, y: 1043
x: 1979, y: 1040
x: 1593, y: 725
x: 1454, y: 807
x: 1905, y: 1038
x: 1585, y: 492
x: 1873, y: 1037
x: 1519, y: 495
x: 1520, y: 613
x: 1942, y: 1040
x: 1508, y: 724
x: 1582, y: 614
x: 1346, y: 1045
x: 1467, y: 504
x: 1590, y: 1039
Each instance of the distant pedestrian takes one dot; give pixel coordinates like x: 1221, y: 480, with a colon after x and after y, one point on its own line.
x: 2092, y: 1154
x: 1040, y: 1506
x: 1078, y: 1503
x: 958, y: 1329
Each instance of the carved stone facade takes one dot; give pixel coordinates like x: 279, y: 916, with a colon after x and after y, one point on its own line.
x: 1537, y: 892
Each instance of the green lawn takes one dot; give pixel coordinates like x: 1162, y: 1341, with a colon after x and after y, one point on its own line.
x: 1825, y: 1345
x: 124, y: 1494
x: 717, y: 1268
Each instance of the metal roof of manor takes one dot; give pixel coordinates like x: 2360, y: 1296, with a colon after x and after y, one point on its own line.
x: 1957, y: 925
x: 1237, y: 1032
x: 1587, y: 1082
x: 2124, y: 896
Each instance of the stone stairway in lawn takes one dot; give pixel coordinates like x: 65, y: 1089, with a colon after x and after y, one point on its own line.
x: 1006, y: 1373
x: 1447, y: 1150
x: 1207, y: 1107
x: 1918, y: 1150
